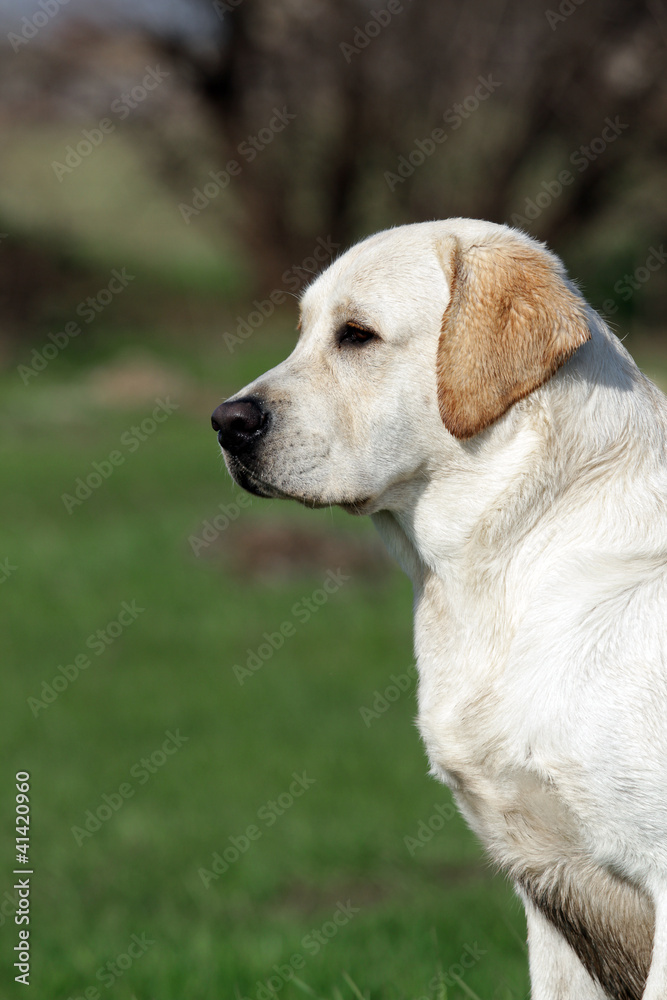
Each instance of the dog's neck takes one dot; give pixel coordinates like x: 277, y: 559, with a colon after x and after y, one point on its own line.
x: 496, y: 501
x: 466, y: 515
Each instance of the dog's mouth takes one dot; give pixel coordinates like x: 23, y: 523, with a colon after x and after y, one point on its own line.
x: 249, y: 480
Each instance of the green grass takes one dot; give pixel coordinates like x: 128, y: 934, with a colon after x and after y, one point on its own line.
x: 341, y: 842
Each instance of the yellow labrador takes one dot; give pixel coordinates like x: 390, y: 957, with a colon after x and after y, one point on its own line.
x: 451, y: 382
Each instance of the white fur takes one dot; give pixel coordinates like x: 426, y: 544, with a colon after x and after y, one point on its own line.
x: 538, y: 555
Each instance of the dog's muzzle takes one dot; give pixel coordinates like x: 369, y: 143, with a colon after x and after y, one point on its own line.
x: 240, y: 423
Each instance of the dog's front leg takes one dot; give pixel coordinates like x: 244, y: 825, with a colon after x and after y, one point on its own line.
x: 555, y: 971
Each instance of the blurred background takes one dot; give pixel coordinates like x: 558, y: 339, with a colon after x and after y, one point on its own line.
x: 214, y: 695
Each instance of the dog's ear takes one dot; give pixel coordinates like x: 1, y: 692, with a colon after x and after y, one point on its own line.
x: 510, y: 324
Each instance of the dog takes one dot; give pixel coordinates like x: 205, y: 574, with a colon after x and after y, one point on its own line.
x: 451, y: 382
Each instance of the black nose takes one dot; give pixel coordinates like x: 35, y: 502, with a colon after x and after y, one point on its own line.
x: 239, y: 423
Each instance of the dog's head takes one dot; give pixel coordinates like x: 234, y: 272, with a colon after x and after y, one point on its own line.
x: 412, y: 342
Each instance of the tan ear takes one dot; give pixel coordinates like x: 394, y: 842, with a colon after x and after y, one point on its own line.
x: 510, y: 324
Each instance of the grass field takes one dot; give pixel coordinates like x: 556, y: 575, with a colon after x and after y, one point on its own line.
x: 353, y: 878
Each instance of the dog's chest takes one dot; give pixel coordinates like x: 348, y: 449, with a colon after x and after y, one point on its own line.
x: 519, y: 812
x: 477, y: 741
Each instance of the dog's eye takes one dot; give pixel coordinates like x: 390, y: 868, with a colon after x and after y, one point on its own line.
x: 352, y: 333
